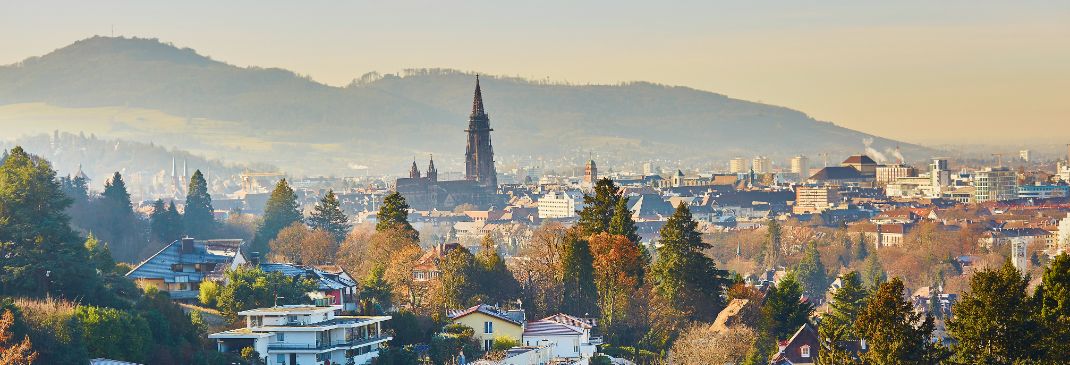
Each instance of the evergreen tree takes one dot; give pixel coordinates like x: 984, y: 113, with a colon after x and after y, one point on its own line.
x: 174, y: 222
x: 622, y: 223
x: 198, y: 220
x: 328, y: 216
x: 280, y: 212
x: 40, y: 251
x: 114, y: 213
x: 598, y: 210
x: 784, y: 308
x: 165, y: 222
x: 771, y: 253
x: 895, y: 333
x: 1053, y: 299
x: 995, y: 321
x: 861, y: 248
x: 496, y: 281
x: 683, y: 274
x: 395, y: 212
x: 873, y: 272
x: 846, y: 303
x: 577, y: 272
x: 812, y: 273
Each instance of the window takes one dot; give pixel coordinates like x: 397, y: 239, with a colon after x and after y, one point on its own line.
x: 488, y: 344
x: 281, y: 336
x: 804, y: 351
x: 488, y: 327
x: 280, y: 358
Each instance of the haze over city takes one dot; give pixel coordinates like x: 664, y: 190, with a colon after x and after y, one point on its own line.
x: 949, y: 73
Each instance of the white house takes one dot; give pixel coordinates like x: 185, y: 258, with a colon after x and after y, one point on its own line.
x: 306, y: 335
x: 569, y: 337
x: 560, y: 204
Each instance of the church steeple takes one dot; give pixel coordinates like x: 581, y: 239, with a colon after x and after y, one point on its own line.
x: 432, y: 172
x: 479, y: 158
x: 477, y: 102
x: 414, y: 172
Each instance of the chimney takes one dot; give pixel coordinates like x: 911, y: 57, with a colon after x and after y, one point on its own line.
x: 187, y: 245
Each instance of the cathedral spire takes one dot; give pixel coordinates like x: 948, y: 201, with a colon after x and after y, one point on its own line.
x: 432, y: 172
x: 477, y: 101
x: 414, y: 172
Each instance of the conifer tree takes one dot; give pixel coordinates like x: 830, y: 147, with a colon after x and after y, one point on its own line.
x: 328, y: 216
x: 622, y: 223
x: 174, y: 222
x: 894, y: 332
x: 861, y: 248
x: 784, y: 307
x: 771, y: 253
x: 115, y: 215
x: 165, y: 222
x: 1053, y: 299
x: 197, y: 219
x: 683, y: 275
x: 873, y: 272
x: 846, y: 303
x: 812, y: 273
x: 281, y: 211
x: 577, y: 272
x: 495, y: 280
x: 598, y: 210
x: 995, y: 321
x: 395, y: 212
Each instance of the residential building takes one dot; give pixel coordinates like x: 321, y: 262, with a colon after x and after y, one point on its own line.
x: 762, y: 165
x: 884, y: 235
x: 814, y: 199
x: 995, y: 184
x: 800, y: 165
x: 306, y: 335
x: 1062, y: 241
x: 560, y: 204
x: 570, y: 336
x: 940, y: 176
x: 527, y: 355
x: 738, y: 165
x: 181, y: 266
x: 333, y: 285
x: 426, y: 268
x: 801, y: 349
x: 489, y: 322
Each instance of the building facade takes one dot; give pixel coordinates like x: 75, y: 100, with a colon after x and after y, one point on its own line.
x: 995, y: 184
x: 306, y: 335
x: 801, y: 165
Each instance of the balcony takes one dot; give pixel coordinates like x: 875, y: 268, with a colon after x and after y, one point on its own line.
x: 324, y: 346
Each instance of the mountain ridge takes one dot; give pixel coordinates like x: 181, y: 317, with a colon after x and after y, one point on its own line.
x: 378, y: 117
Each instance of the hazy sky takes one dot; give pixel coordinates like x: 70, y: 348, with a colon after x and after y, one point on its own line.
x: 923, y: 71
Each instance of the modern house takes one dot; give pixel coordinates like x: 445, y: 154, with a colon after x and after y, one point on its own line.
x: 333, y: 285
x: 490, y: 322
x: 569, y: 336
x: 180, y: 267
x: 306, y: 335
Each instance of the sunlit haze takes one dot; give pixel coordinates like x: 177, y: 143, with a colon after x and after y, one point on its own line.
x: 925, y: 72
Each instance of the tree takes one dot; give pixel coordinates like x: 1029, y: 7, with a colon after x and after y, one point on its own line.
x: 682, y: 274
x: 598, y: 210
x: 328, y: 216
x: 772, y: 244
x: 248, y: 288
x: 458, y: 279
x: 617, y: 263
x: 495, y: 280
x: 846, y: 303
x: 622, y: 222
x: 115, y: 216
x: 41, y: 253
x: 198, y: 218
x: 374, y: 293
x: 1053, y: 299
x: 784, y: 308
x: 895, y: 333
x: 995, y: 321
x: 280, y: 212
x: 114, y: 333
x: 872, y: 271
x: 298, y: 244
x: 540, y: 274
x: 702, y: 344
x: 861, y: 248
x: 395, y: 213
x: 20, y: 353
x: 577, y: 277
x: 812, y: 273
x: 165, y: 222
x: 209, y: 293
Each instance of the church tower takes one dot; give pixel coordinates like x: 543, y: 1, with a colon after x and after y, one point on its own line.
x: 432, y: 172
x: 479, y: 159
x: 414, y: 172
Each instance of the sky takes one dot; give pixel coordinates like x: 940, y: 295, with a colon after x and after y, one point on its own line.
x: 962, y: 72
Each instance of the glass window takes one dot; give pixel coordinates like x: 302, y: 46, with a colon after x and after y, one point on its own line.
x: 281, y: 336
x: 280, y: 358
x: 804, y: 351
x: 488, y: 327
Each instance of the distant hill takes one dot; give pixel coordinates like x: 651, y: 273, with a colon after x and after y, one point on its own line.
x: 382, y: 120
